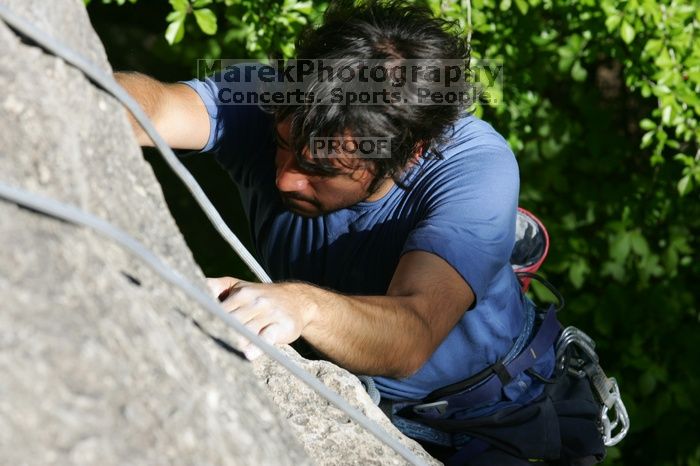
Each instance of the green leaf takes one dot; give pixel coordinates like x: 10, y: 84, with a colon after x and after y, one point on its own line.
x: 180, y: 5
x: 578, y: 72
x: 175, y: 31
x: 201, y: 3
x: 620, y: 246
x: 615, y: 270
x: 647, y: 125
x: 175, y: 16
x: 288, y: 50
x: 566, y: 58
x: 653, y: 47
x: 686, y: 160
x: 666, y: 115
x: 663, y: 59
x: 639, y: 243
x: 684, y: 185
x: 627, y: 32
x: 304, y: 7
x: 612, y: 22
x: 206, y: 19
x: 577, y: 273
x: 522, y: 6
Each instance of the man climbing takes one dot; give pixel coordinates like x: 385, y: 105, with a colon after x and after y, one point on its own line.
x: 396, y: 267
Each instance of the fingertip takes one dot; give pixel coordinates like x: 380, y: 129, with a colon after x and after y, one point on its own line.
x: 270, y: 333
x: 221, y: 287
x: 215, y: 286
x: 252, y: 352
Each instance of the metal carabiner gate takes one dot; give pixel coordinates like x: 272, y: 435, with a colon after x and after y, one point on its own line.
x: 584, y: 362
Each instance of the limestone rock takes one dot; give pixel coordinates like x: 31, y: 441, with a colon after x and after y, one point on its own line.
x: 328, y: 435
x: 101, y: 362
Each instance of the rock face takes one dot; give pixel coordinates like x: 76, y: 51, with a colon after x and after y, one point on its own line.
x: 101, y: 362
x: 328, y: 435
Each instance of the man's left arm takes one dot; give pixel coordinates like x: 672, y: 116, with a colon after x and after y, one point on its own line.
x: 391, y: 335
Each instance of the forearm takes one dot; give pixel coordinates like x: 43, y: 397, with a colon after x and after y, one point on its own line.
x: 392, y: 335
x: 149, y: 93
x: 373, y: 335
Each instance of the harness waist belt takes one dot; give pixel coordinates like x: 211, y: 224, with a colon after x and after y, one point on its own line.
x: 502, y: 374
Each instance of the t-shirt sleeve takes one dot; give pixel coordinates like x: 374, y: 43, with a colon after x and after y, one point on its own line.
x: 470, y: 213
x: 228, y: 117
x: 208, y: 91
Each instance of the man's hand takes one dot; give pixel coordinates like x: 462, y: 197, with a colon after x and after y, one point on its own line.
x: 391, y: 335
x: 277, y: 312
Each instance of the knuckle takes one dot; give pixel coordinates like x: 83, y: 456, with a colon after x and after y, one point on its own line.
x: 260, y: 301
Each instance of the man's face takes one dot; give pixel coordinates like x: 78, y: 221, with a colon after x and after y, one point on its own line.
x: 311, y: 195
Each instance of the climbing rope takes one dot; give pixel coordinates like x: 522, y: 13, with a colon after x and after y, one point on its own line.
x: 56, y: 209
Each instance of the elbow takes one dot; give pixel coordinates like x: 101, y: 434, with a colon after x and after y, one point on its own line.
x: 416, y: 353
x: 411, y: 363
x: 405, y: 372
x: 140, y: 134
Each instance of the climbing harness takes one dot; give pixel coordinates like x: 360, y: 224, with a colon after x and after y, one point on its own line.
x: 65, y: 212
x: 447, y: 401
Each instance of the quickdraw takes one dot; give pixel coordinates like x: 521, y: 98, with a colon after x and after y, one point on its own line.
x: 575, y: 354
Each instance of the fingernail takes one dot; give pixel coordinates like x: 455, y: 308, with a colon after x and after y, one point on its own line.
x: 212, y: 287
x: 270, y: 336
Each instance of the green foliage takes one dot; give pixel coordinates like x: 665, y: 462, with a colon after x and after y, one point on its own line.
x: 250, y: 28
x: 601, y: 107
x: 600, y: 102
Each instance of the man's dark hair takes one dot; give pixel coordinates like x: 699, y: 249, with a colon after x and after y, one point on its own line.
x: 389, y: 32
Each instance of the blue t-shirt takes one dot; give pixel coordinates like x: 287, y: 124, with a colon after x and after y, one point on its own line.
x: 461, y: 208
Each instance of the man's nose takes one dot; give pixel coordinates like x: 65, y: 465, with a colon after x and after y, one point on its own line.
x: 289, y: 178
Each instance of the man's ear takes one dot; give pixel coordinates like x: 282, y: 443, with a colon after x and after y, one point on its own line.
x: 363, y: 170
x: 418, y: 151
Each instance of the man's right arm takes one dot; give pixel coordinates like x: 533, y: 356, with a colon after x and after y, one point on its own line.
x: 176, y: 110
